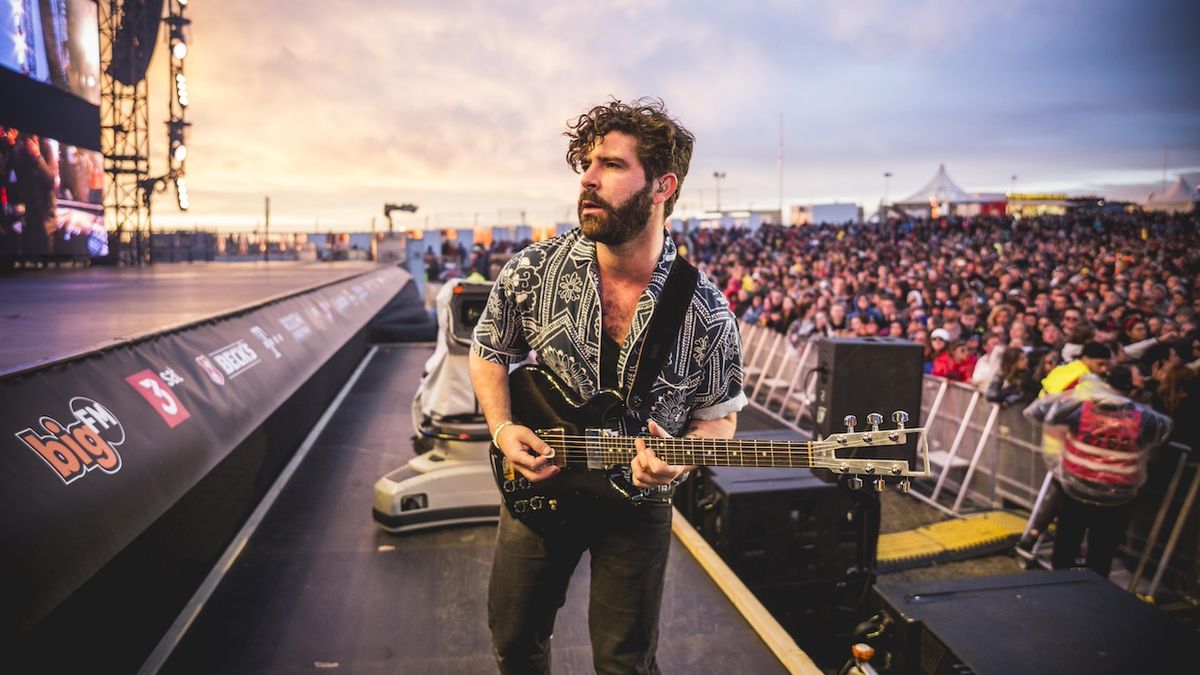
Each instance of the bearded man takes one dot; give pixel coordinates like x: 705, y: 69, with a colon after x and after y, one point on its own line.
x: 583, y: 301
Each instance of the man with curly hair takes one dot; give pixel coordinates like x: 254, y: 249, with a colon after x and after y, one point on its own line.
x: 582, y: 301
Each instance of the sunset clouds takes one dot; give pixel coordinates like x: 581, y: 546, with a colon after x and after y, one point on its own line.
x: 334, y: 108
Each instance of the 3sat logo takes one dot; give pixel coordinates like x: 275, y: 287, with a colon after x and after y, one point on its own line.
x: 72, y: 450
x: 156, y: 389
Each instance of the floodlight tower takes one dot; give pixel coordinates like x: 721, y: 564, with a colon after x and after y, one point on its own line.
x: 177, y: 124
x: 128, y: 33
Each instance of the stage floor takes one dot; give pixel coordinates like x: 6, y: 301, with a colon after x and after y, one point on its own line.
x: 320, y: 586
x: 53, y: 314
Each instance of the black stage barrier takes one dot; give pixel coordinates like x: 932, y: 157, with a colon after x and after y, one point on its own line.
x: 805, y: 548
x: 1060, y: 622
x: 136, y: 452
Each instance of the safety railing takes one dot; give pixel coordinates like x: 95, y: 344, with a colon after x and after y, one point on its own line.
x: 982, y: 455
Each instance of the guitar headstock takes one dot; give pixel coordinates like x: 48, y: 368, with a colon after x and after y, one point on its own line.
x: 825, y: 452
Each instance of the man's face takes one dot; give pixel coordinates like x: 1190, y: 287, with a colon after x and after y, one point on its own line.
x: 615, y: 198
x: 1071, y: 319
x: 1097, y: 366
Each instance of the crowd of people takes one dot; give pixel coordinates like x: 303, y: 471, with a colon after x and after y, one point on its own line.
x: 998, y: 302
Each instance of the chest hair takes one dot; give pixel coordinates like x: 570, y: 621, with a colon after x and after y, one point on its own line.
x: 618, y: 304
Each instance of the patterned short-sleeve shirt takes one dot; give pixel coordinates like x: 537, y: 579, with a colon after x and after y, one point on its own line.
x: 547, y: 299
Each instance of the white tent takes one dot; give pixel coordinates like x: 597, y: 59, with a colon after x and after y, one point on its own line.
x: 940, y: 189
x: 1179, y: 198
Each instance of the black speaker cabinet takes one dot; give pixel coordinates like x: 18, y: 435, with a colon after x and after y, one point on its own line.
x: 858, y: 376
x: 1060, y: 622
x: 782, y: 526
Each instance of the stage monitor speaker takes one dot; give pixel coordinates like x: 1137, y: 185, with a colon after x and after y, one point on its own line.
x: 1061, y: 622
x: 784, y: 526
x: 857, y: 376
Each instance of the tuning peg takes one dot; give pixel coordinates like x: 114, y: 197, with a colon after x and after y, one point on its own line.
x: 900, y: 418
x: 903, y: 486
x: 877, y: 484
x: 854, y: 483
x: 874, y: 419
x: 850, y: 421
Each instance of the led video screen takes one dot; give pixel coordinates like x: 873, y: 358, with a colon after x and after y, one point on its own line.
x: 55, y: 42
x: 51, y: 198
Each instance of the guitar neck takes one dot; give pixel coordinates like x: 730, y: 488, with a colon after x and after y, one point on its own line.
x: 614, y: 450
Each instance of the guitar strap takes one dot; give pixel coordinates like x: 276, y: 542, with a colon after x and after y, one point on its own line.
x: 663, y: 329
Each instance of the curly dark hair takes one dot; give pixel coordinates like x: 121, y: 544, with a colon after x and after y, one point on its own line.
x: 663, y: 145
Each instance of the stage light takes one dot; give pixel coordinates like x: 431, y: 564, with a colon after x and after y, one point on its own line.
x: 181, y: 193
x: 181, y: 91
x: 176, y: 38
x: 176, y: 135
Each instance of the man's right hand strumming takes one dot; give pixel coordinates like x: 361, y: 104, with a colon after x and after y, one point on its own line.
x: 527, y: 453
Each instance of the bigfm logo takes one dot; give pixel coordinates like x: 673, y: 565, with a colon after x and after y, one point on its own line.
x: 156, y: 389
x: 72, y: 450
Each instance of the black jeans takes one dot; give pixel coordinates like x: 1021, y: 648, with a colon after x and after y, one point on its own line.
x: 530, y: 573
x: 1105, y: 528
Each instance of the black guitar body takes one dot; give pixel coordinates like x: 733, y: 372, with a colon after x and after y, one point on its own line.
x: 541, y: 402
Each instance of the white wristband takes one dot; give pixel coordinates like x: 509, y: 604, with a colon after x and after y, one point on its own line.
x: 496, y: 432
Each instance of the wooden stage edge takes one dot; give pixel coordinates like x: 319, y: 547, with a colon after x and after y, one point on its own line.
x: 776, y: 638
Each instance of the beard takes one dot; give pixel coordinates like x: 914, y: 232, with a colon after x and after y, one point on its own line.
x: 617, y: 225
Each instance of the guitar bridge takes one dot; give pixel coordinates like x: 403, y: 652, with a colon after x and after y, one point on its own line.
x: 595, y: 446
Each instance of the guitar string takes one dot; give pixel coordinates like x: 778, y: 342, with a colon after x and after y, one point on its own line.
x: 586, y: 448
x: 576, y: 447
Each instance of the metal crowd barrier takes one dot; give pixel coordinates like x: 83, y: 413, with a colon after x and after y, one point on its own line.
x: 983, y: 455
x: 993, y: 451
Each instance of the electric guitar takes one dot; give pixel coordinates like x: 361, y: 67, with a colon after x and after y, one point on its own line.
x: 594, y: 459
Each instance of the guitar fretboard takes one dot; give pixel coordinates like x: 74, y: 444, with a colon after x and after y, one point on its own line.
x: 614, y: 450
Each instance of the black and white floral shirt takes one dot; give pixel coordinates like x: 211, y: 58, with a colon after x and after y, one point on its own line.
x: 547, y: 299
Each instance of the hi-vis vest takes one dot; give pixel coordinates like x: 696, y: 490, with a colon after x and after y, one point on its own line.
x: 1063, y: 378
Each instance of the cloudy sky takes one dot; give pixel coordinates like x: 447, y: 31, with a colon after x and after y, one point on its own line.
x: 334, y: 108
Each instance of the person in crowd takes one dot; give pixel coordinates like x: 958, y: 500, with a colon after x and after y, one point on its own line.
x: 754, y: 312
x: 1078, y: 335
x: 1094, y: 358
x: 935, y: 348
x: 956, y: 364
x: 587, y: 323
x: 803, y: 329
x: 1177, y: 393
x: 1107, y: 438
x: 837, y: 319
x: 989, y: 364
x: 1013, y: 383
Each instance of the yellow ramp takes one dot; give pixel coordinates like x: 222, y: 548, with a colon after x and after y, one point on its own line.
x: 949, y: 540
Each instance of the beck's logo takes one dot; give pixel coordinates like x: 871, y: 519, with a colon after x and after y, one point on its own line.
x: 156, y: 390
x: 235, y: 358
x: 71, y: 450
